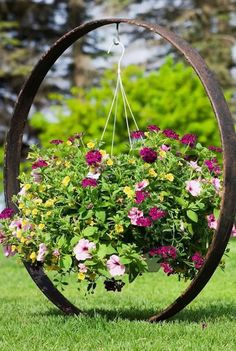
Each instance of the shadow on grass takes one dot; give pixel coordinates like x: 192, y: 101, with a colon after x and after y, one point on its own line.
x: 209, y: 313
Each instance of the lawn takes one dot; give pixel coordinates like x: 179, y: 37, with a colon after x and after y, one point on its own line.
x: 116, y: 321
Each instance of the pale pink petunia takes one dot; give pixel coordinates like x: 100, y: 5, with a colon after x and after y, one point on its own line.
x: 194, y: 187
x: 114, y: 266
x: 141, y: 185
x: 216, y: 184
x: 212, y: 221
x: 83, y: 248
x: 165, y: 147
x: 15, y: 224
x: 7, y: 250
x: 134, y: 214
x: 42, y: 252
x: 233, y: 233
x: 195, y: 166
x: 82, y: 268
x: 56, y: 253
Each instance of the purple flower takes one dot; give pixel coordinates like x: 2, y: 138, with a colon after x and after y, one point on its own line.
x: 71, y: 139
x: 93, y: 157
x: 56, y: 141
x: 189, y: 139
x: 134, y: 214
x: 88, y: 182
x: 56, y: 253
x: 153, y: 251
x: 6, y: 213
x: 39, y: 164
x: 167, y: 268
x: 153, y: 128
x: 156, y: 213
x: 215, y: 148
x: 7, y: 250
x: 148, y: 155
x: 169, y: 133
x: 137, y: 134
x: 167, y: 252
x: 140, y: 196
x: 197, y: 260
x: 144, y: 222
x: 212, y: 165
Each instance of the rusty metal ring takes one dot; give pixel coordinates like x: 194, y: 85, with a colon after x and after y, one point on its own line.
x: 228, y: 137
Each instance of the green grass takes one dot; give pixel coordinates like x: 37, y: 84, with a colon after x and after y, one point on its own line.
x: 116, y: 321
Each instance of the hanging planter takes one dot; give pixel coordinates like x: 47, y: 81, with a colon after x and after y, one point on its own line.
x: 164, y: 204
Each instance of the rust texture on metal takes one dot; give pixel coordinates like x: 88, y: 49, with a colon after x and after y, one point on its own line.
x: 228, y: 138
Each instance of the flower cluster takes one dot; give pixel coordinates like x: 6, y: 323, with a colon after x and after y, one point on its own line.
x: 82, y: 211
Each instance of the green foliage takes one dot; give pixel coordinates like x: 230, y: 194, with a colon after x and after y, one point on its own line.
x: 171, y: 97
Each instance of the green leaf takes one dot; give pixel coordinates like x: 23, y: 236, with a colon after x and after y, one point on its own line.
x: 74, y: 240
x: 125, y: 260
x: 216, y: 213
x: 101, y: 215
x: 66, y: 262
x: 89, y: 231
x: 61, y: 241
x: 192, y: 215
x: 105, y: 250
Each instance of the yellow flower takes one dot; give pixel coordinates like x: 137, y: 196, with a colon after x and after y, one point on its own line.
x: 146, y: 165
x: 162, y: 153
x: 19, y: 233
x: 48, y: 213
x: 38, y: 201
x: 103, y: 152
x: 152, y: 172
x: 132, y: 161
x: 66, y: 181
x: 109, y: 162
x: 81, y: 276
x: 27, y: 212
x: 42, y: 187
x: 58, y: 163
x: 35, y: 212
x: 21, y: 205
x: 146, y: 134
x: 27, y: 186
x: 90, y: 145
x: 169, y: 177
x: 19, y: 249
x: 128, y: 191
x: 33, y: 256
x: 69, y: 143
x: 119, y: 228
x: 13, y: 248
x: 49, y: 203
x: 23, y: 240
x: 41, y: 226
x: 32, y: 233
x: 67, y: 164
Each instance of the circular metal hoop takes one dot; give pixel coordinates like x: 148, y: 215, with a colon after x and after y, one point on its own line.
x: 228, y: 137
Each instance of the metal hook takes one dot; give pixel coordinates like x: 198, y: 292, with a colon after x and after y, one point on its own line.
x: 116, y: 41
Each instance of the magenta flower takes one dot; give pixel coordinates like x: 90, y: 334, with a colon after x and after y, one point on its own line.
x: 144, y: 222
x: 212, y: 221
x: 167, y: 268
x: 140, y: 196
x: 39, y: 164
x: 148, y: 155
x: 137, y: 134
x: 83, y: 248
x: 56, y: 141
x: 141, y: 185
x: 197, y: 260
x: 216, y: 184
x: 215, y: 148
x: 167, y: 252
x: 82, y: 268
x: 114, y: 266
x: 156, y: 213
x: 189, y: 139
x: 86, y: 182
x: 71, y: 139
x: 213, y: 165
x: 7, y: 250
x: 153, y: 251
x: 93, y: 157
x: 42, y: 252
x: 153, y: 128
x: 6, y: 213
x: 194, y: 187
x: 169, y: 133
x: 2, y: 237
x: 165, y: 147
x: 134, y: 214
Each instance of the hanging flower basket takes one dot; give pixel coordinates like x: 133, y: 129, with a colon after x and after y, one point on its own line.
x: 166, y: 204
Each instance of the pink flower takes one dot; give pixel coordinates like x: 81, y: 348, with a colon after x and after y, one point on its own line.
x: 156, y: 213
x: 198, y: 260
x: 56, y: 253
x: 56, y: 141
x: 153, y: 128
x: 194, y: 165
x: 134, y: 214
x: 86, y: 182
x: 114, y: 266
x: 2, y: 237
x: 93, y: 157
x: 167, y: 268
x: 148, y: 155
x: 140, y: 196
x: 39, y: 164
x: 94, y: 175
x: 169, y: 133
x: 233, y: 233
x: 153, y: 251
x: 42, y: 252
x: 189, y: 139
x: 6, y: 213
x: 144, y: 222
x: 165, y: 147
x: 141, y: 185
x: 16, y: 224
x: 83, y: 248
x: 194, y: 187
x: 213, y: 166
x: 137, y: 134
x: 8, y: 251
x: 167, y: 252
x: 215, y: 148
x: 212, y: 221
x: 82, y: 268
x: 216, y: 184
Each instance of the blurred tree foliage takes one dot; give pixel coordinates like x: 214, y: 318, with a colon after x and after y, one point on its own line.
x: 171, y: 97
